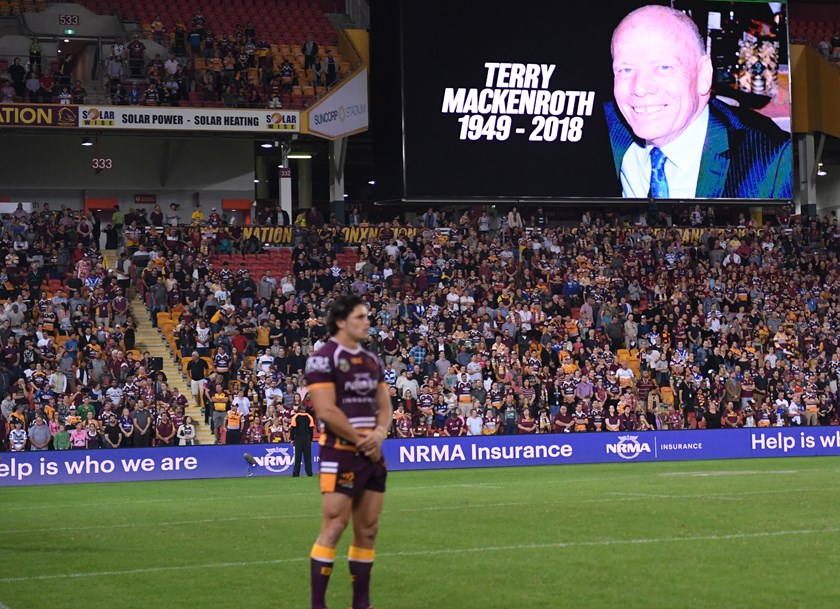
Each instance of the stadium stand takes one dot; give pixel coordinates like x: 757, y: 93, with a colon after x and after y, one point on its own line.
x: 252, y: 55
x: 669, y: 327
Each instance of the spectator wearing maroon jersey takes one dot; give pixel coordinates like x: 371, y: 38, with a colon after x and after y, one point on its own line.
x: 454, y: 425
x: 627, y: 419
x: 563, y: 421
x: 136, y: 57
x: 526, y: 424
x: 581, y: 418
x: 164, y: 431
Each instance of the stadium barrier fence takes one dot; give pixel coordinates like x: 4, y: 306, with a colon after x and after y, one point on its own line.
x: 125, y: 465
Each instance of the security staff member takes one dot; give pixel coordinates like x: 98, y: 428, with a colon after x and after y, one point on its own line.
x: 233, y: 426
x: 302, y: 426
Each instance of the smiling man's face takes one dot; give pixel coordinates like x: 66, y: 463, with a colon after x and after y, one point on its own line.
x: 662, y: 79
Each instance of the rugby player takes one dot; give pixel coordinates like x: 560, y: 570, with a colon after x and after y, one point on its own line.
x: 350, y: 396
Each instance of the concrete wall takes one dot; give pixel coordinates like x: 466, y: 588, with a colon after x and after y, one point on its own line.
x: 90, y: 24
x: 828, y: 191
x: 174, y: 169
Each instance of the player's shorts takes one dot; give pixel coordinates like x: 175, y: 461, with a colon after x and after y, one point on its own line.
x: 349, y: 473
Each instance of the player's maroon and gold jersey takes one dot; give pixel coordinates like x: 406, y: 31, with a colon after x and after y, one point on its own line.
x: 356, y: 376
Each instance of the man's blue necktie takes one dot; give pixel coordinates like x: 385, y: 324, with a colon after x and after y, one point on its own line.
x: 658, y: 182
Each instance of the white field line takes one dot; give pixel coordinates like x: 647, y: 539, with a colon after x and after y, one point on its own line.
x: 662, y: 496
x: 310, y: 493
x: 394, y: 484
x: 745, y: 472
x: 127, y: 525
x: 616, y: 497
x: 730, y: 496
x: 438, y: 552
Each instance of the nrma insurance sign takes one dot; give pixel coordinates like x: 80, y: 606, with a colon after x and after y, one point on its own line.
x: 629, y: 447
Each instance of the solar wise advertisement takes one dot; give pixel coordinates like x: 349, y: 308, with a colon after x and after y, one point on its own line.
x: 601, y: 101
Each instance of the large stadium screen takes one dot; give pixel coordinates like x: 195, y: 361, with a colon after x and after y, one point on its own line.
x: 536, y: 100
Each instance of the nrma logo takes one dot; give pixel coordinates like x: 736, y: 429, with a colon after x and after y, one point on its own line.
x: 628, y: 447
x: 276, y: 460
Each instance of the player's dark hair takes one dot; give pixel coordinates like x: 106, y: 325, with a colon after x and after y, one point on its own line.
x: 341, y: 309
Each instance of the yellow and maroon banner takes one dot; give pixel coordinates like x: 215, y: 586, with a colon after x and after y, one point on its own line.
x: 38, y: 115
x: 352, y: 235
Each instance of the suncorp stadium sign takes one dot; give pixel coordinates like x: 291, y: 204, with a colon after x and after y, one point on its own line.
x: 344, y: 111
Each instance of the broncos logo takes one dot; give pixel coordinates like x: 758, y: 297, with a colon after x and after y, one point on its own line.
x: 66, y: 117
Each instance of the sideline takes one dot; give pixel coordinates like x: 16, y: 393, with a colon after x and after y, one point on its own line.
x: 438, y: 552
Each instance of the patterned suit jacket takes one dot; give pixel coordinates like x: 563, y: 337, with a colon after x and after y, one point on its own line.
x: 745, y: 156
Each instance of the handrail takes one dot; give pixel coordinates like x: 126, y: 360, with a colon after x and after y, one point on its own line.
x: 353, y: 69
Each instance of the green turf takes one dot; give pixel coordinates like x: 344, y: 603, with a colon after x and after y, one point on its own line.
x: 737, y: 534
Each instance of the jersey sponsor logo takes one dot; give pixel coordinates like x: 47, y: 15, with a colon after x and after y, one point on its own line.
x: 276, y: 460
x: 361, y: 384
x: 317, y: 363
x: 628, y: 447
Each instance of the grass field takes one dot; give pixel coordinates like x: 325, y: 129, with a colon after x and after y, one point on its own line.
x: 723, y: 534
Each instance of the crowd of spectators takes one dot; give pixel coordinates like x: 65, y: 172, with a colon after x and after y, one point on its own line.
x: 38, y: 81
x: 527, y: 327
x: 486, y: 325
x: 69, y: 372
x: 232, y: 69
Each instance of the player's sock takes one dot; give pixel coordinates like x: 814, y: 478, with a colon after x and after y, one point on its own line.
x: 361, y: 563
x: 320, y: 565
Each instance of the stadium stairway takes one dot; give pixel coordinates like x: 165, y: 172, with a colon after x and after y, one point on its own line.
x: 152, y: 340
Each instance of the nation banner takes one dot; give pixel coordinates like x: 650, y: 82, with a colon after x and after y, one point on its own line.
x: 281, y: 236
x: 189, y: 119
x: 38, y: 115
